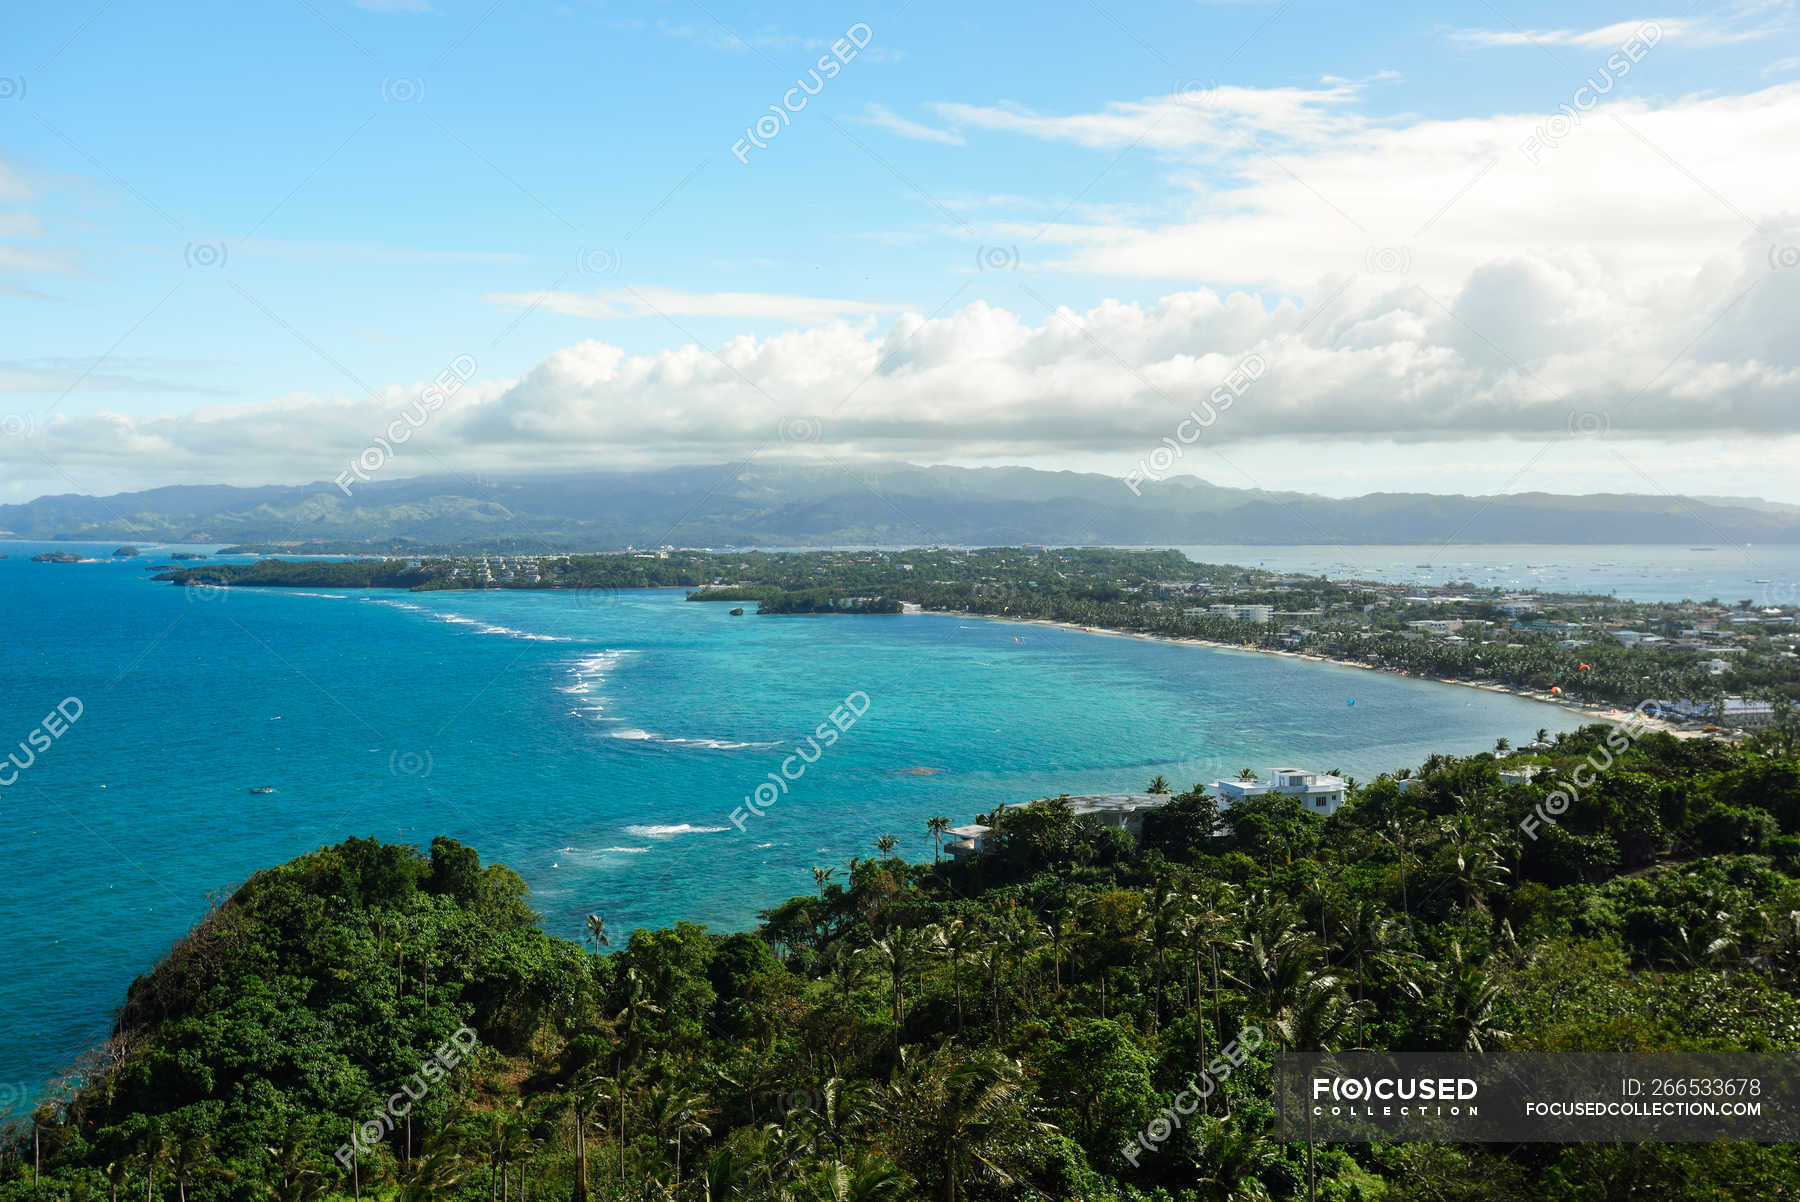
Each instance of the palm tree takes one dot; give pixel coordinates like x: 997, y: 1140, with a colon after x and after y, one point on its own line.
x: 596, y: 929
x: 822, y: 877
x: 1060, y: 931
x: 672, y: 1111
x: 899, y: 952
x: 1158, y: 784
x: 885, y: 844
x: 956, y: 941
x: 509, y: 1142
x: 864, y: 1179
x: 1235, y: 1157
x: 1502, y: 746
x: 580, y: 1098
x: 1471, y: 998
x: 936, y: 827
x: 974, y: 1112
x: 190, y: 1154
x: 1246, y: 775
x: 297, y: 1177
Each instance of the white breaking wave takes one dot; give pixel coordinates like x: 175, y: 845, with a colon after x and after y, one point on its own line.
x: 480, y: 627
x: 587, y: 674
x: 630, y: 851
x: 664, y: 832
x: 644, y: 736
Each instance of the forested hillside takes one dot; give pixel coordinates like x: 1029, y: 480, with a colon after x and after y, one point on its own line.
x: 374, y: 1020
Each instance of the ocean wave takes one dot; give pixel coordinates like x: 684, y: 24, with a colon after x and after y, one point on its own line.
x: 322, y: 596
x: 588, y: 673
x: 643, y: 736
x: 479, y: 626
x: 680, y: 828
x: 630, y: 851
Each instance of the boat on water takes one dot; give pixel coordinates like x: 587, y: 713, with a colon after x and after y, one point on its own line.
x: 263, y: 789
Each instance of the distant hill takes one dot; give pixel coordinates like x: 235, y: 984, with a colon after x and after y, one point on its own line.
x: 790, y: 505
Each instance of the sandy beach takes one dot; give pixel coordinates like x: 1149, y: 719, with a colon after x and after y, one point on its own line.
x: 1586, y: 711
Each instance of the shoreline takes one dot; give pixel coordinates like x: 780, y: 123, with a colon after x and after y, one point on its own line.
x: 1589, y: 711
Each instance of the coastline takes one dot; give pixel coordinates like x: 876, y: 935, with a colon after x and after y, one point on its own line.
x: 1585, y: 710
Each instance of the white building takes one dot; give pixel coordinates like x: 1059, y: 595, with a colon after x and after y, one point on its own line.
x: 1244, y: 613
x: 1521, y: 775
x: 1321, y: 795
x: 1123, y: 811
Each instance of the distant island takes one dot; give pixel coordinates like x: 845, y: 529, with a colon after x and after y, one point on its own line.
x: 59, y: 557
x: 1018, y: 1021
x: 1725, y: 663
x: 880, y: 504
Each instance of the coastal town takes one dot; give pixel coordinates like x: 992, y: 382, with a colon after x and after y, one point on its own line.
x: 1712, y: 662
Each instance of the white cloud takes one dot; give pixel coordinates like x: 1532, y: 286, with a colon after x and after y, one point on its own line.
x: 1610, y: 37
x: 645, y: 301
x: 877, y: 115
x: 1198, y: 119
x: 1782, y: 66
x: 1411, y: 281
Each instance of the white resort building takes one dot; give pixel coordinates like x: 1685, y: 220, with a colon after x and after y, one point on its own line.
x: 1320, y: 794
x: 1124, y: 811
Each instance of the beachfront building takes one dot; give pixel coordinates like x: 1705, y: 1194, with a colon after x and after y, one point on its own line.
x: 1740, y: 712
x: 1243, y: 613
x: 1121, y: 811
x: 1521, y: 775
x: 1320, y: 794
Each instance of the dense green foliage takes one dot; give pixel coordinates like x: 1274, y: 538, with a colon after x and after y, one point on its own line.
x: 994, y: 1028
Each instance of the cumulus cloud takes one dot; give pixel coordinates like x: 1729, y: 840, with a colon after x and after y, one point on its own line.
x: 1406, y: 281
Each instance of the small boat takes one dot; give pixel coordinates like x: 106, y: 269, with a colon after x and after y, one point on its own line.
x: 263, y: 789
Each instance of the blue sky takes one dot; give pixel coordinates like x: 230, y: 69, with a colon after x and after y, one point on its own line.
x: 228, y: 229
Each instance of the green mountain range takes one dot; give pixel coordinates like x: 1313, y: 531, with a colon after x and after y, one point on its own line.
x: 806, y: 505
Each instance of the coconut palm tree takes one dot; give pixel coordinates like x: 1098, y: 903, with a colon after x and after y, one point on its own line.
x: 899, y: 952
x: 596, y: 929
x: 296, y: 1173
x: 672, y: 1111
x: 885, y: 844
x: 580, y: 1099
x: 1502, y: 746
x: 864, y: 1179
x: 936, y: 828
x: 1233, y: 1159
x: 1158, y: 784
x: 1470, y: 998
x: 957, y: 941
x: 1246, y: 774
x: 822, y: 877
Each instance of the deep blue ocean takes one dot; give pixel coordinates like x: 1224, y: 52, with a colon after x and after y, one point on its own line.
x: 599, y: 745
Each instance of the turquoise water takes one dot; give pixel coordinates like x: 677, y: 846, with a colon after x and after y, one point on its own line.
x: 1767, y: 575
x: 598, y: 745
